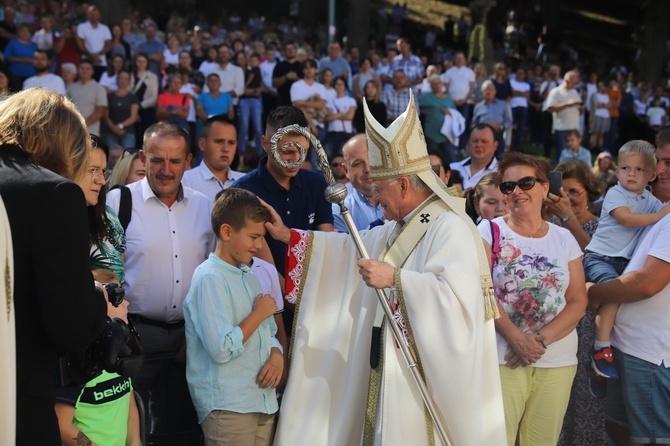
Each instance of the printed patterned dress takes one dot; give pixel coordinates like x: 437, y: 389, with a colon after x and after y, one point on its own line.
x: 107, y: 254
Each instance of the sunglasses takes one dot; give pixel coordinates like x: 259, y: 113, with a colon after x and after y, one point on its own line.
x: 526, y: 183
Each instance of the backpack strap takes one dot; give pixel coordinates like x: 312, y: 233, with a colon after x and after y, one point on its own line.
x: 495, y: 242
x: 125, y: 206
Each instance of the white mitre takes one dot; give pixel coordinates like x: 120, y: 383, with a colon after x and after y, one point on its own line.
x: 400, y: 150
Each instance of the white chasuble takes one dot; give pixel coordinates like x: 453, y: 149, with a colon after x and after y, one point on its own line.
x: 7, y: 334
x: 327, y: 392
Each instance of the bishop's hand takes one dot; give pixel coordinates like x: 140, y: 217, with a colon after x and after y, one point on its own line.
x: 376, y: 274
x: 276, y: 228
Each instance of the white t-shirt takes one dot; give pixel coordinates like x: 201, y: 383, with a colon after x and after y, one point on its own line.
x: 641, y: 328
x: 640, y: 108
x: 171, y: 59
x: 267, y: 68
x: 547, y: 85
x: 568, y: 118
x: 459, y: 81
x: 656, y: 115
x: 49, y: 81
x: 302, y: 91
x: 340, y: 105
x: 189, y: 90
x: 330, y: 94
x: 94, y: 38
x: 530, y: 278
x: 602, y: 98
x: 109, y: 82
x: 43, y: 40
x: 207, y: 68
x: 519, y: 101
x: 267, y: 277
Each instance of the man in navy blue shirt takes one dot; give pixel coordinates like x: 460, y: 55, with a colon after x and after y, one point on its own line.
x: 296, y: 194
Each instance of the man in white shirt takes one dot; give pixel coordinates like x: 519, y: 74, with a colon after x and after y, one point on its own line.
x: 310, y: 97
x: 639, y: 401
x: 44, y: 37
x: 459, y: 81
x: 232, y: 76
x: 168, y: 236
x: 42, y: 60
x: 218, y: 144
x: 519, y: 104
x: 482, y: 158
x: 565, y: 105
x: 94, y: 40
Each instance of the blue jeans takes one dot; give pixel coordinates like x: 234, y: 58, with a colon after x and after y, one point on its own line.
x: 640, y: 399
x: 520, y: 115
x: 124, y: 141
x: 251, y: 110
x: 600, y: 268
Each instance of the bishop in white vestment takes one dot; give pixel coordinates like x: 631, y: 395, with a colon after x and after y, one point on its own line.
x: 430, y: 263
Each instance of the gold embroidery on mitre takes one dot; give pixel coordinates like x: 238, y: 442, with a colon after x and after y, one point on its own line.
x: 398, y: 150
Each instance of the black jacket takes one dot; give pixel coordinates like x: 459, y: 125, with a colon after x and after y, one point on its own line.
x: 56, y: 307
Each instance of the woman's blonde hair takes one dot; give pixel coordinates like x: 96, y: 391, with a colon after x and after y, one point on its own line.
x: 122, y: 169
x: 48, y: 127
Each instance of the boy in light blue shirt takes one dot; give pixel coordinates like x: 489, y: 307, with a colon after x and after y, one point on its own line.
x: 627, y: 209
x: 233, y: 359
x: 575, y: 150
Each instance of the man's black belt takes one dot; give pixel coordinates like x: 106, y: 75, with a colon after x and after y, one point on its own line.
x: 160, y: 324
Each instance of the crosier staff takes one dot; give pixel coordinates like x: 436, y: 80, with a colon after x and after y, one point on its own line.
x: 336, y: 193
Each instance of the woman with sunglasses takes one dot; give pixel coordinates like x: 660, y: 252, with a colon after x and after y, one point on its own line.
x: 584, y: 421
x: 108, y: 241
x: 538, y: 282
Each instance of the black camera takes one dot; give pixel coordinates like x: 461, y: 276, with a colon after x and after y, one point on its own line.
x: 117, y: 350
x: 115, y: 293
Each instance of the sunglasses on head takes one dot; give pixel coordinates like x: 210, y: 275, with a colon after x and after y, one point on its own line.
x: 526, y: 183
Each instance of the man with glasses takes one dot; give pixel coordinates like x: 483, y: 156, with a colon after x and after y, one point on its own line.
x: 482, y: 158
x: 168, y: 236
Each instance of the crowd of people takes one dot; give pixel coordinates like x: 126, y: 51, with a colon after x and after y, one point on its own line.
x: 146, y: 155
x: 187, y: 71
